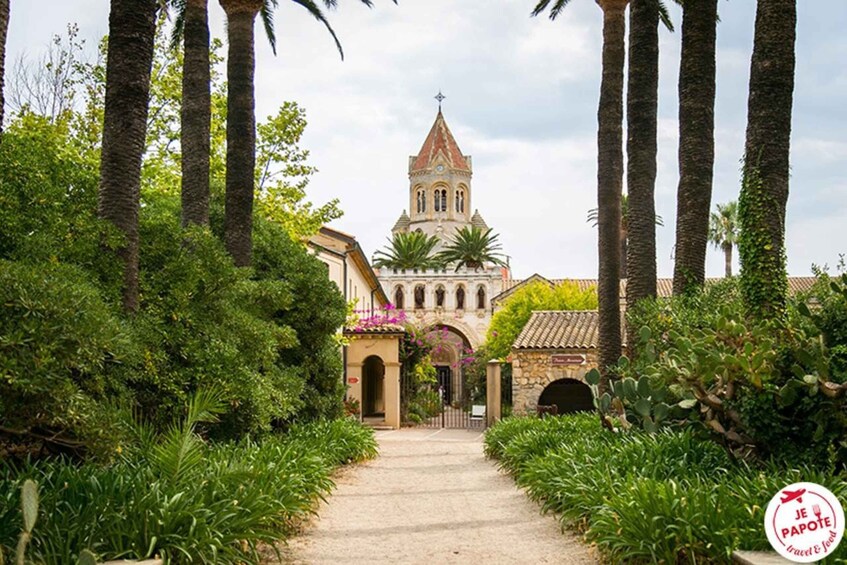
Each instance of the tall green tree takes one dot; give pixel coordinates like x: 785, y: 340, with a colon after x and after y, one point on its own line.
x: 472, y: 247
x: 132, y: 31
x: 723, y: 231
x: 516, y: 310
x: 192, y: 23
x: 412, y: 250
x: 4, y: 28
x: 696, y: 141
x: 609, y: 173
x: 764, y: 191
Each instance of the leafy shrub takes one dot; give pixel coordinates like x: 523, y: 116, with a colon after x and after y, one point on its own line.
x: 205, y: 323
x: 667, y: 497
x: 761, y: 385
x: 242, y: 494
x: 60, y: 345
x: 315, y: 315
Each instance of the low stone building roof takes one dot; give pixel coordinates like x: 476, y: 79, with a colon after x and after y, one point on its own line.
x: 548, y: 329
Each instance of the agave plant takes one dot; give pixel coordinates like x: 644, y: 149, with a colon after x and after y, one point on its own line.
x: 472, y: 247
x: 413, y: 250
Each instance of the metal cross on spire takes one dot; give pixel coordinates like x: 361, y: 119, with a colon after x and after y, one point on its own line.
x: 440, y: 97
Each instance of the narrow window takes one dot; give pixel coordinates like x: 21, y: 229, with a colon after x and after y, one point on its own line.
x: 460, y: 298
x: 398, y: 297
x: 437, y: 200
x: 458, y: 199
x: 419, y: 202
x: 423, y: 201
x: 444, y: 200
x: 480, y: 298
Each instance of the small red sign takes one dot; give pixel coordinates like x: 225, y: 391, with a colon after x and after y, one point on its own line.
x: 567, y: 359
x: 353, y: 380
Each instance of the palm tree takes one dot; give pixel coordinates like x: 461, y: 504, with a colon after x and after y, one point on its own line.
x: 240, y: 128
x: 723, y: 231
x: 696, y: 141
x: 764, y: 192
x: 4, y: 28
x: 192, y: 24
x: 241, y: 114
x: 472, y: 247
x: 132, y: 30
x: 609, y: 174
x: 412, y: 250
x: 624, y: 228
x: 639, y: 219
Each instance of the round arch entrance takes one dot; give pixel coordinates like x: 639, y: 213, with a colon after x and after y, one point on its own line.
x: 373, y: 387
x: 452, y: 401
x: 568, y: 395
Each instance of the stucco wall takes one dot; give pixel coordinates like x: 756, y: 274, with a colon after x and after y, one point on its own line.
x: 532, y: 371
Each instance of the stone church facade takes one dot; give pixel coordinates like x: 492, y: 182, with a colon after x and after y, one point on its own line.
x: 440, y: 203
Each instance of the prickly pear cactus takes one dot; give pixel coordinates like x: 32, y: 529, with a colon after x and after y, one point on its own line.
x: 631, y: 402
x: 29, y: 509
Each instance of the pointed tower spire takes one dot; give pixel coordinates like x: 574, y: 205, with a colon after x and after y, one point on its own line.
x: 440, y: 142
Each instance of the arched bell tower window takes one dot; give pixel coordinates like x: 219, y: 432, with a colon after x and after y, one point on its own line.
x: 419, y: 203
x: 437, y: 200
x: 444, y: 200
x: 460, y: 298
x: 480, y: 298
x: 439, y: 297
x: 399, y: 297
x: 419, y: 297
x: 460, y: 201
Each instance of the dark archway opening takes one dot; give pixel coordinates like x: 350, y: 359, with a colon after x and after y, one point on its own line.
x: 373, y: 387
x: 568, y: 395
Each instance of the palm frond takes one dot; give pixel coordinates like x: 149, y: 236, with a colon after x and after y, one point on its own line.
x: 665, y: 16
x: 315, y: 10
x: 413, y: 250
x: 267, y: 15
x: 179, y: 7
x: 472, y: 247
x: 557, y: 8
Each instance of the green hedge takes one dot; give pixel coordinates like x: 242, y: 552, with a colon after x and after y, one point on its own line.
x: 242, y: 494
x: 669, y: 497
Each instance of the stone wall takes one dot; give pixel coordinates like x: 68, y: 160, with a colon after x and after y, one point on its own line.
x: 533, y: 370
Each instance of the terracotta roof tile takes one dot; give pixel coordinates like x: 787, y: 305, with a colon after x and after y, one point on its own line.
x: 440, y: 141
x: 576, y: 329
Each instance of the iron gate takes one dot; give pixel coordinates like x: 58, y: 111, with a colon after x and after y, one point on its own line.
x: 452, y: 401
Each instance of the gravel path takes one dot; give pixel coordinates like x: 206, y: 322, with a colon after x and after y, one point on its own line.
x: 431, y: 497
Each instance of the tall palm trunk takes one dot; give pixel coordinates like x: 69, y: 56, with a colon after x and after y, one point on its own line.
x: 610, y: 183
x: 4, y: 28
x: 240, y: 129
x: 641, y: 149
x: 196, y: 114
x: 132, y: 29
x: 727, y: 259
x: 696, y: 142
x: 764, y: 194
x: 624, y: 237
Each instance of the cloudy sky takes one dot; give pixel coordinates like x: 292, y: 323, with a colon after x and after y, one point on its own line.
x: 522, y: 100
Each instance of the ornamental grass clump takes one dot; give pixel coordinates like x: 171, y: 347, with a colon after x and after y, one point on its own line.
x: 668, y: 497
x: 188, y: 501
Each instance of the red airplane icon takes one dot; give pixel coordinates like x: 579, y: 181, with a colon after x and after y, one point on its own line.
x: 789, y: 495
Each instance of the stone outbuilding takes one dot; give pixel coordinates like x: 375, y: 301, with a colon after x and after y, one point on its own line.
x: 550, y: 359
